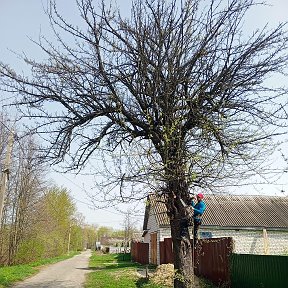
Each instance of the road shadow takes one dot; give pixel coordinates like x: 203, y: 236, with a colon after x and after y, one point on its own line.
x: 90, y: 268
x: 48, y: 284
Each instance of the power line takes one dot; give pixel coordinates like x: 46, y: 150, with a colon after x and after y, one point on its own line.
x: 88, y: 204
x: 82, y: 189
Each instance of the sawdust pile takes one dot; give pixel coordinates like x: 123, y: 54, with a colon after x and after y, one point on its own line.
x: 164, y: 275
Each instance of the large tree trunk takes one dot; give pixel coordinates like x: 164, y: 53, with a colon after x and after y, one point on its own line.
x: 183, y: 257
x: 182, y: 247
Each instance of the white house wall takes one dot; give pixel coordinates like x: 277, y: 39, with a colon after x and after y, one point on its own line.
x: 252, y: 242
x: 278, y: 242
x: 152, y: 227
x: 246, y: 241
x: 164, y: 233
x: 152, y: 223
x: 146, y: 238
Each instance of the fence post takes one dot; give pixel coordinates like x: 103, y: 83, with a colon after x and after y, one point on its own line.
x: 265, y: 242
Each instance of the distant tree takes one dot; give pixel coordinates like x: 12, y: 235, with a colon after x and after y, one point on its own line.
x: 104, y: 231
x: 172, y: 97
x: 56, y: 210
x: 37, y: 219
x: 129, y: 228
x: 90, y: 236
x: 24, y: 190
x: 4, y: 232
x: 118, y: 233
x: 78, y: 241
x: 53, y: 228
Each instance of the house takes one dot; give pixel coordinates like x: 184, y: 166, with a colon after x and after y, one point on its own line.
x: 111, y: 241
x: 257, y: 224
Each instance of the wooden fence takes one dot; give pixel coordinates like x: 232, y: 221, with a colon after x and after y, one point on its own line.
x: 215, y: 261
x: 140, y: 252
x: 166, y: 251
x: 212, y: 258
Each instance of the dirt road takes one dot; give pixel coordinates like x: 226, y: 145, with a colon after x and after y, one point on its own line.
x: 69, y: 273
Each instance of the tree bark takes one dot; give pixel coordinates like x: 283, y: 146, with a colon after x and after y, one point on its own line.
x: 182, y: 246
x: 183, y: 257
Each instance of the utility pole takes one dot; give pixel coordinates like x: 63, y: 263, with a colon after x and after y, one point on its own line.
x: 5, y: 172
x: 69, y: 239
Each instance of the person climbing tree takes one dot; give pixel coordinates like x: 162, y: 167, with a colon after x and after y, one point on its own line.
x: 198, y: 206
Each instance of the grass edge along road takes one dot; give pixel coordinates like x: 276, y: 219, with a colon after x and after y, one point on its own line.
x: 110, y: 271
x: 12, y: 274
x: 116, y: 270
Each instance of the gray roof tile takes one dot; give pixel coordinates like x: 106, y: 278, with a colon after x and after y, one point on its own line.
x: 233, y: 211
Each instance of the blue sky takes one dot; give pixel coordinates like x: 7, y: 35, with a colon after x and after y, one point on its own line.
x: 21, y: 20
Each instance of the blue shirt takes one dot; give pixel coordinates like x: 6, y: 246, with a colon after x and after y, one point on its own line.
x: 199, y: 208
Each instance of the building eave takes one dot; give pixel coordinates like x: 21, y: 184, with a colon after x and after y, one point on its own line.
x: 256, y: 228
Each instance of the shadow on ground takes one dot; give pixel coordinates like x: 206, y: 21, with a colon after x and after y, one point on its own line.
x: 48, y: 284
x: 141, y: 282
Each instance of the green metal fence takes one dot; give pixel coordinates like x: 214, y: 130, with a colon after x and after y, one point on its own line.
x: 265, y: 271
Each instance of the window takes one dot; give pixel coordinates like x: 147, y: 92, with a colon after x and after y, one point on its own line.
x: 205, y: 235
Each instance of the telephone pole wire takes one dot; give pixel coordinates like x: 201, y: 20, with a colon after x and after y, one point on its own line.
x: 5, y: 172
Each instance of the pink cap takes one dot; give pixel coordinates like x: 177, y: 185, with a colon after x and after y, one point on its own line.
x: 200, y: 195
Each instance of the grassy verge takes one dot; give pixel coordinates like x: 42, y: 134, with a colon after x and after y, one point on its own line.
x: 116, y: 271
x: 12, y: 274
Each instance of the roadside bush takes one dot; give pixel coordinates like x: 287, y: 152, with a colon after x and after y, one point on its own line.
x: 29, y: 251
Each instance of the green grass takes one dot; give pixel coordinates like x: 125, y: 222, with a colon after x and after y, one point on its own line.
x: 111, y: 271
x: 12, y: 274
x: 204, y: 283
x: 115, y: 271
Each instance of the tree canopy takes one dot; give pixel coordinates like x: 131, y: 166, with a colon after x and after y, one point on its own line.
x: 173, y: 96
x: 175, y: 80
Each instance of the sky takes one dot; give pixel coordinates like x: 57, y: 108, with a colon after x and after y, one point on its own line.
x: 21, y: 21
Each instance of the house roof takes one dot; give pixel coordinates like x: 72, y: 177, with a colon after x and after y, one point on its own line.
x: 105, y: 240
x: 231, y: 211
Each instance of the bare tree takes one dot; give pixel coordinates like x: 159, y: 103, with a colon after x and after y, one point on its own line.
x: 129, y: 229
x: 173, y: 97
x: 25, y: 188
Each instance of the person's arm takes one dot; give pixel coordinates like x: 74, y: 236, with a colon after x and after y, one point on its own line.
x: 193, y: 199
x: 200, y: 209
